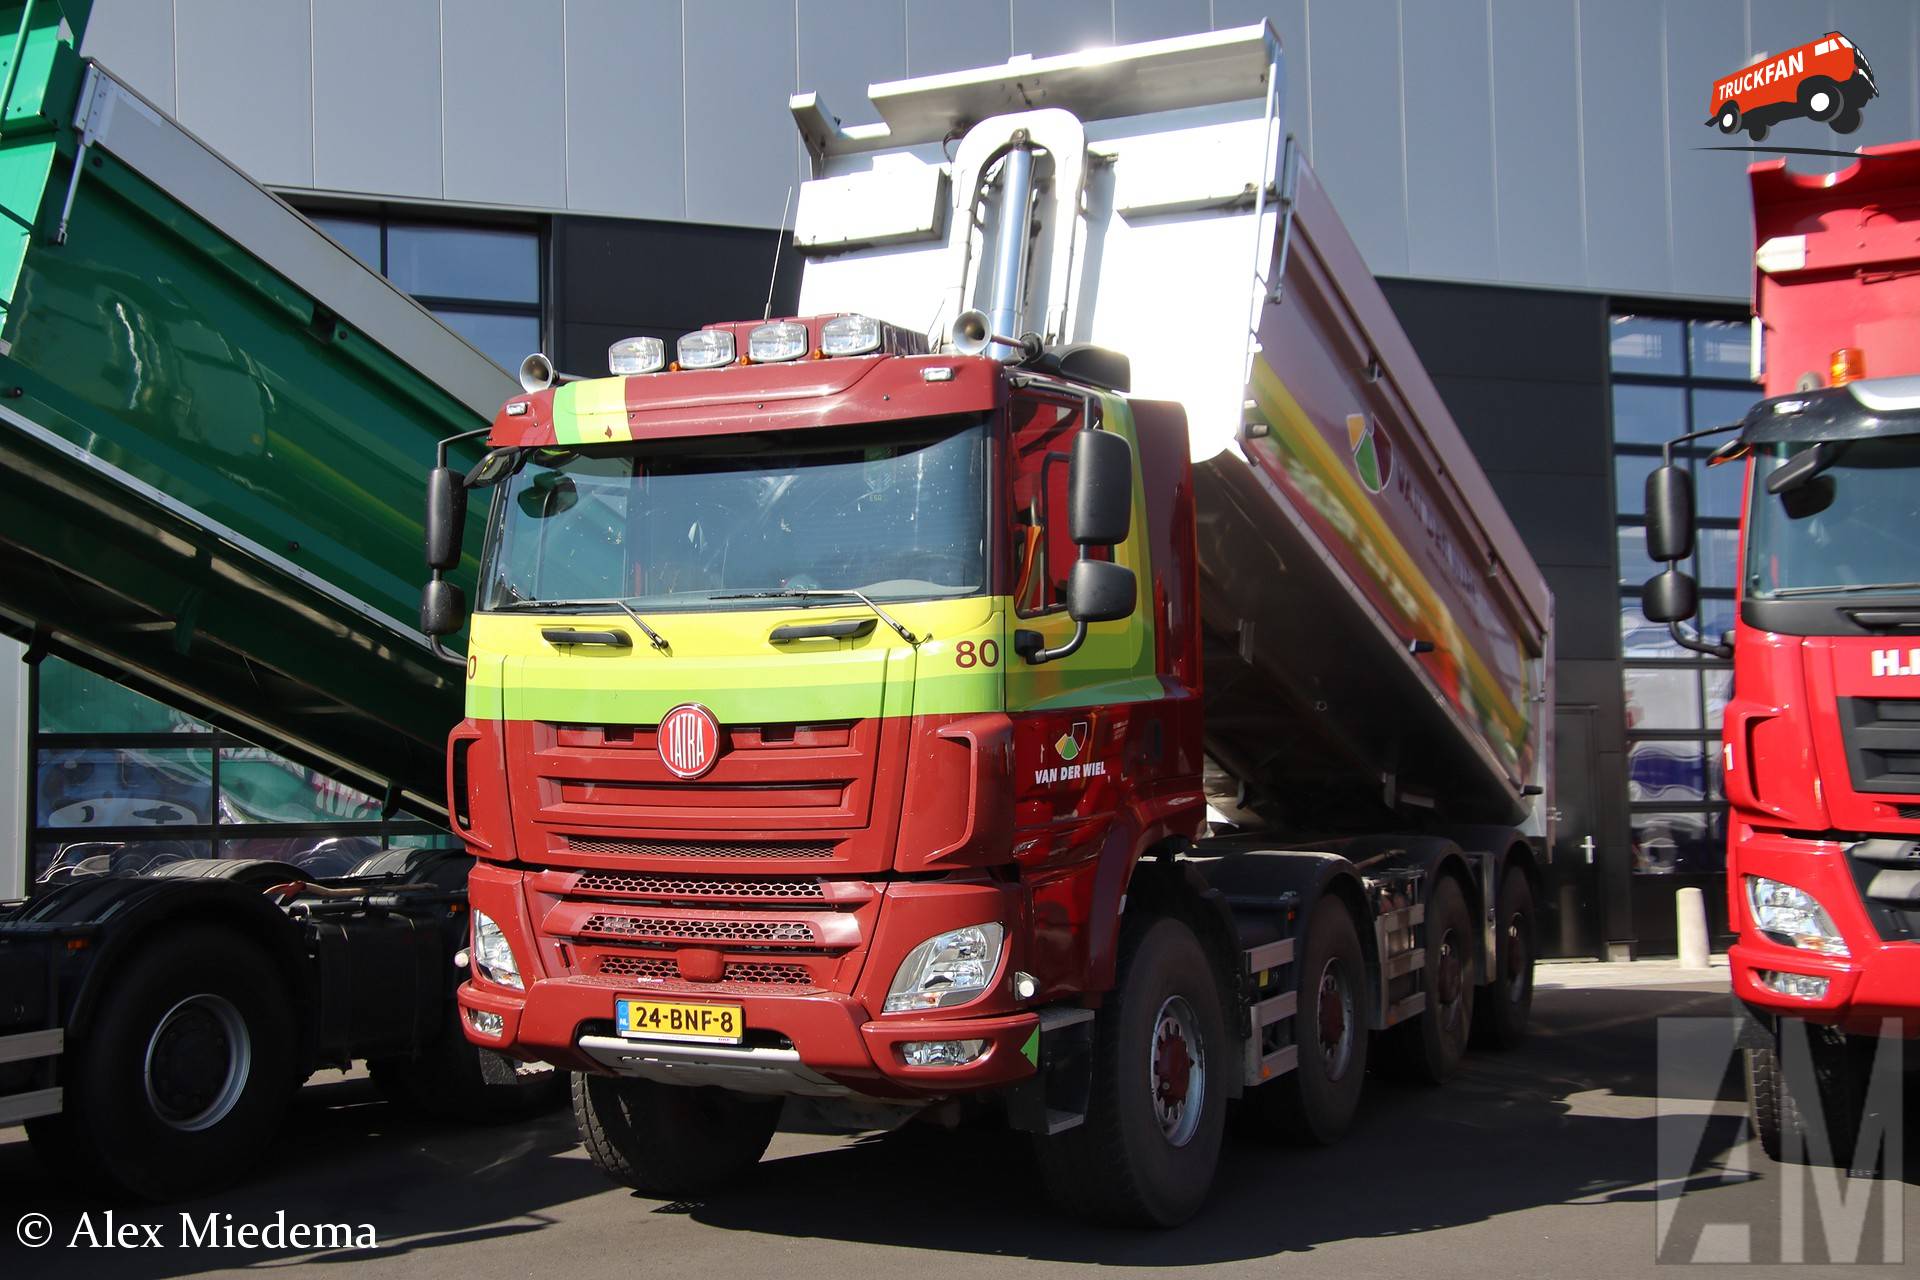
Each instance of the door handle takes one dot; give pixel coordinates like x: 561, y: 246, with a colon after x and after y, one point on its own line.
x: 844, y: 629
x: 571, y: 635
x: 1586, y: 847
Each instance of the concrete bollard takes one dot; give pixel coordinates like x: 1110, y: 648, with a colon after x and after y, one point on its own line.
x: 1690, y: 909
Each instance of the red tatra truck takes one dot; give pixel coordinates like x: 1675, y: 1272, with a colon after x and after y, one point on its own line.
x: 1821, y: 750
x: 1073, y: 673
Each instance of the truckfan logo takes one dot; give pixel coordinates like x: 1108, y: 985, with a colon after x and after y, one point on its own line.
x: 1372, y: 451
x: 1827, y: 80
x: 689, y: 740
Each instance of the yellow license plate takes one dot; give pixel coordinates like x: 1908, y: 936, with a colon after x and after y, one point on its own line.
x: 664, y: 1020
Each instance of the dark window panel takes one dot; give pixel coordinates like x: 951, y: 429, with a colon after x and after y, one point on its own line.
x: 1679, y: 843
x: 1662, y: 698
x: 1648, y: 414
x: 482, y: 263
x: 1648, y: 344
x: 1666, y: 772
x: 1720, y: 348
x: 504, y: 339
x: 358, y: 236
x: 79, y: 787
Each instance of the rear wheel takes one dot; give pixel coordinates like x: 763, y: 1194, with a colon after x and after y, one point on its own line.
x: 179, y: 1083
x: 1315, y: 1102
x: 1147, y: 1151
x: 1757, y: 131
x: 670, y: 1141
x: 1846, y: 121
x: 1504, y: 1006
x: 1820, y: 98
x: 1429, y: 1047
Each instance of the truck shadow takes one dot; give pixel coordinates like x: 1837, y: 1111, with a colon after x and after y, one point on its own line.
x: 1569, y: 1118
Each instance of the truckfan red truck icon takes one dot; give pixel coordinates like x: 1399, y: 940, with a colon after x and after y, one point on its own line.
x: 1827, y: 79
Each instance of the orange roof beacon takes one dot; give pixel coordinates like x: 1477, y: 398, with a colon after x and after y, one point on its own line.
x: 1828, y: 79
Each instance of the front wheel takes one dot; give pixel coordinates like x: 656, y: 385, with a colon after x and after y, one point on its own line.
x: 670, y: 1140
x: 1147, y: 1151
x: 1806, y: 1095
x: 179, y: 1085
x: 1729, y: 118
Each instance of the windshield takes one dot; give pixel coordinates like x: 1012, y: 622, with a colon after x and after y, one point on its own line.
x: 1855, y: 526
x: 896, y: 513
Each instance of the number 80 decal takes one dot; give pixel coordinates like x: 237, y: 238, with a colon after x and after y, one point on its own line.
x: 986, y: 653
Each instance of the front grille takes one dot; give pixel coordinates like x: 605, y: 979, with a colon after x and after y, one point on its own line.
x: 641, y: 884
x: 1908, y: 812
x: 698, y: 848
x: 620, y: 926
x: 738, y: 973
x: 1882, y: 737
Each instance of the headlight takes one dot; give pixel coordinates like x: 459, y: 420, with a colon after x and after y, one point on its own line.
x: 492, y: 957
x: 850, y: 336
x: 705, y: 349
x: 781, y: 340
x: 1793, y: 916
x: 948, y: 968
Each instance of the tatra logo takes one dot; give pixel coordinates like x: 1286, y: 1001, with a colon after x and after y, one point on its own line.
x: 1372, y: 451
x: 1896, y: 662
x: 689, y: 740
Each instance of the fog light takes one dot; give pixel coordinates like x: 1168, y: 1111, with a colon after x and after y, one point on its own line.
x: 781, y: 340
x: 850, y: 336
x: 942, y: 1053
x: 487, y: 1024
x: 705, y: 349
x: 1801, y: 986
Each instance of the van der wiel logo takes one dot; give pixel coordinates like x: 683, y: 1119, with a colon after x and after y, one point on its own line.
x: 1372, y: 451
x: 1827, y: 80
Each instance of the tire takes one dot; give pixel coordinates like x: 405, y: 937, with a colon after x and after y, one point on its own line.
x: 1847, y: 121
x: 1807, y: 1110
x: 667, y: 1140
x: 1428, y: 1048
x: 1820, y: 98
x: 1131, y: 1163
x: 448, y: 1082
x: 1729, y: 118
x: 1504, y: 1006
x: 180, y: 1083
x: 1757, y: 131
x: 1314, y: 1103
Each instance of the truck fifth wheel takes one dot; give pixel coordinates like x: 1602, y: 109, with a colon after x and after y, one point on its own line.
x: 1074, y: 670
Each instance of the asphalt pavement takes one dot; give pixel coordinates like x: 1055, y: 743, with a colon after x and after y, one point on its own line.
x: 1612, y: 1143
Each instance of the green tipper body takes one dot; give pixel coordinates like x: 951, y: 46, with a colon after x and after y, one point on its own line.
x: 215, y: 426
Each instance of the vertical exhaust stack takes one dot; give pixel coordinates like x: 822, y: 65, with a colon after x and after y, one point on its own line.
x: 975, y: 332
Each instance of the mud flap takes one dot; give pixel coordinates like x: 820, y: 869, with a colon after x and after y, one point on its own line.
x: 1054, y: 1099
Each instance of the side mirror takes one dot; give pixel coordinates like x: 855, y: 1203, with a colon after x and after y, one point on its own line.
x: 1668, y: 597
x: 446, y: 518
x: 1100, y: 490
x: 1669, y: 515
x: 1100, y: 591
x: 443, y: 608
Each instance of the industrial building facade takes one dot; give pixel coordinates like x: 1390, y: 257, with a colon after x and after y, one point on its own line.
x: 1569, y: 257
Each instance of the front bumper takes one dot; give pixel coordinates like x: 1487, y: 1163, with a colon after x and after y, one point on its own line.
x: 1877, y: 983
x: 818, y: 1042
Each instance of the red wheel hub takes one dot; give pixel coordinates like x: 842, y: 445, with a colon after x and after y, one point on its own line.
x: 1173, y: 1067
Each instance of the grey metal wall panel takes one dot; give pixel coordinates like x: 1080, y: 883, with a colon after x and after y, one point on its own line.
x: 1353, y: 71
x: 1535, y: 138
x: 1712, y: 244
x: 1136, y: 20
x: 742, y: 157
x: 245, y: 83
x: 1624, y: 129
x: 1289, y: 19
x: 625, y: 135
x: 376, y: 102
x: 1451, y: 226
x: 1046, y: 27
x: 1885, y: 31
x: 504, y: 114
x: 945, y: 36
x: 846, y: 45
x: 134, y: 38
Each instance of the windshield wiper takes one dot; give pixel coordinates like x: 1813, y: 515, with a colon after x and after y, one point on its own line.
x: 654, y: 637
x: 839, y: 594
x: 1849, y: 588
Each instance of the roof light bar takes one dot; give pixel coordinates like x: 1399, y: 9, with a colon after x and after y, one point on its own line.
x: 850, y: 335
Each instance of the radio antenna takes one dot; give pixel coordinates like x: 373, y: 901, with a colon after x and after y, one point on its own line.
x: 773, y: 276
